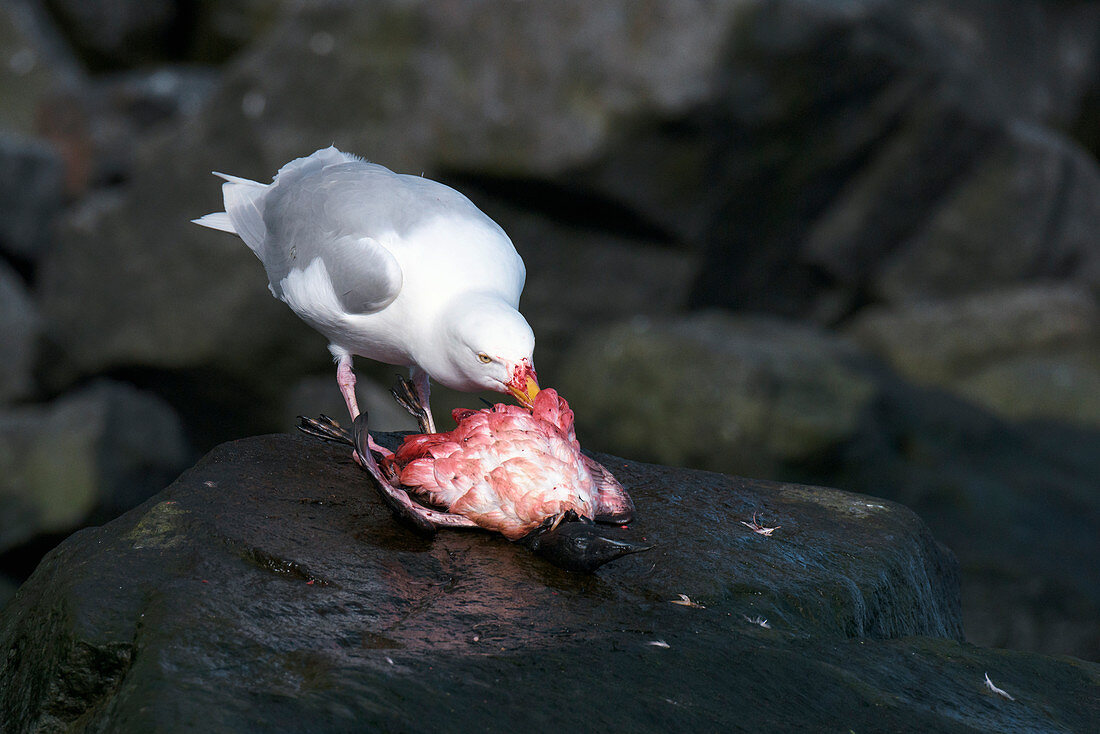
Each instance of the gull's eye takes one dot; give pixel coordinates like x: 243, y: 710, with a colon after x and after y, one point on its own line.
x: 485, y: 358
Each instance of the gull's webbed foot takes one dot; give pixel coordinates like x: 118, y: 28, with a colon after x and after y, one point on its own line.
x: 577, y: 544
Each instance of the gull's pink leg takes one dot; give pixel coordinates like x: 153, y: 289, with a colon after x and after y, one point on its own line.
x: 423, y: 391
x: 345, y: 378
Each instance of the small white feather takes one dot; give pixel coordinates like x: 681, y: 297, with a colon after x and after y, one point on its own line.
x: 999, y: 691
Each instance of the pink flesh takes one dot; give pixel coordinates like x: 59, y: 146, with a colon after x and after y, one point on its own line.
x: 521, y: 373
x: 505, y: 468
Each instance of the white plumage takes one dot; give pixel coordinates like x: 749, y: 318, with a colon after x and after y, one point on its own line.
x: 393, y: 267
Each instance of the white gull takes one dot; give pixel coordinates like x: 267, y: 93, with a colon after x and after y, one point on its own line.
x: 393, y: 267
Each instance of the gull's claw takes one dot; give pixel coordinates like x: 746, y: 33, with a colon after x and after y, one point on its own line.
x: 324, y: 428
x: 557, y: 521
x: 407, y: 396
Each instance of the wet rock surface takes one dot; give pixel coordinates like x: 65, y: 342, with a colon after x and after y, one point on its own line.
x: 776, y: 398
x: 921, y: 178
x: 269, y: 588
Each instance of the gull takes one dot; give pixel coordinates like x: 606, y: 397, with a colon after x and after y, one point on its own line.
x: 393, y: 267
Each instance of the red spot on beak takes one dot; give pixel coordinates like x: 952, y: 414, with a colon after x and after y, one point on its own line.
x: 524, y: 384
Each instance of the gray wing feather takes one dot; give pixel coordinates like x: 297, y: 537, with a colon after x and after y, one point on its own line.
x: 364, y: 274
x: 337, y: 213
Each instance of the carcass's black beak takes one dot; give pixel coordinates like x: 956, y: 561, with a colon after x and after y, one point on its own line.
x: 577, y: 544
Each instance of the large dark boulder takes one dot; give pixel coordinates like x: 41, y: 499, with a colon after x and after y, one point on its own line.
x: 774, y: 398
x: 269, y: 589
x: 821, y: 157
x: 879, y: 156
x: 20, y: 330
x: 123, y: 32
x: 84, y: 458
x: 31, y: 189
x: 1023, y: 353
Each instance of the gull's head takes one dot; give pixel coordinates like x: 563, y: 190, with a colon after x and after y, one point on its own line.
x: 491, y: 348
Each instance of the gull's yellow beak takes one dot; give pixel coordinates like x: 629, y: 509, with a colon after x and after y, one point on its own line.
x: 524, y: 384
x: 526, y: 394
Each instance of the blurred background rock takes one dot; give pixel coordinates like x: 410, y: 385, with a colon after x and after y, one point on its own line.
x: 853, y: 243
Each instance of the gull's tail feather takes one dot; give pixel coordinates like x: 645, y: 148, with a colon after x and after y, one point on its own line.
x: 244, y: 212
x: 217, y: 220
x: 244, y: 199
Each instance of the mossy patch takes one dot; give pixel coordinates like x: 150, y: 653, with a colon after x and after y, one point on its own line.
x: 159, y: 527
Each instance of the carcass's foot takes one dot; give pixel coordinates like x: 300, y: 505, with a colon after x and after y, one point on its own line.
x: 403, y: 507
x: 421, y: 518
